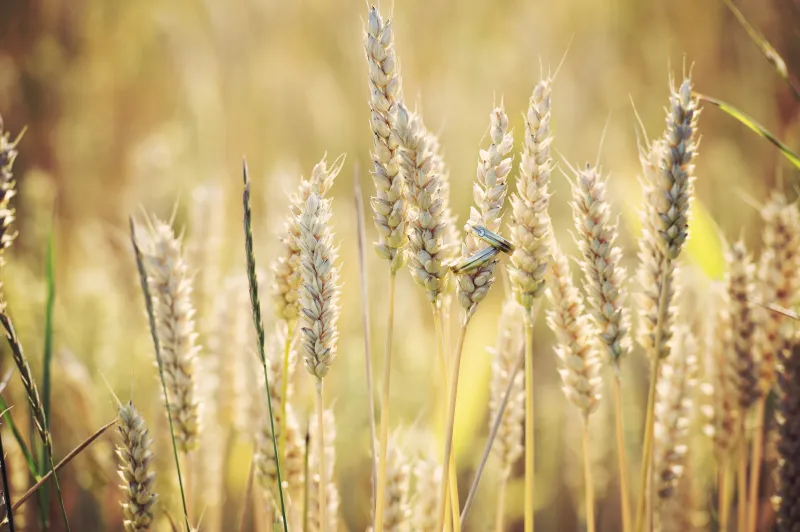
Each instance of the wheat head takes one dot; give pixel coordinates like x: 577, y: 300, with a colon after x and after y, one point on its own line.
x: 136, y: 470
x: 743, y: 325
x: 427, y: 482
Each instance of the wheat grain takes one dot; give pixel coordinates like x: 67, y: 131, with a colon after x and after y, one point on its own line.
x: 673, y: 410
x: 579, y: 362
x: 388, y: 205
x: 530, y: 222
x: 286, y: 265
x: 136, y: 470
x: 426, y: 249
x: 171, y: 286
x: 489, y: 192
x: 505, y: 354
x: 604, y: 277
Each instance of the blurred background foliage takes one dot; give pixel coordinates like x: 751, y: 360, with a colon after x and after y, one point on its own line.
x: 149, y: 103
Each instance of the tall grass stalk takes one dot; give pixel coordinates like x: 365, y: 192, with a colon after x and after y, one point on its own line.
x: 47, y: 354
x: 323, y: 482
x: 287, y: 349
x: 6, y: 490
x: 649, y: 424
x: 453, y: 505
x: 451, y: 415
x: 384, y: 438
x: 255, y: 304
x: 148, y: 302
x: 529, y: 455
x: 622, y: 455
x: 587, y: 477
x: 741, y: 480
x: 723, y: 498
x: 362, y: 264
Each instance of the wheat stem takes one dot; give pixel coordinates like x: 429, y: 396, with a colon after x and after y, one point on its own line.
x: 622, y: 456
x: 453, y: 502
x: 501, y: 503
x: 451, y: 415
x: 587, y: 475
x: 285, y: 377
x: 723, y: 501
x: 741, y: 496
x: 380, y: 499
x: 323, y: 481
x: 529, y: 473
x: 755, y: 465
x: 655, y: 358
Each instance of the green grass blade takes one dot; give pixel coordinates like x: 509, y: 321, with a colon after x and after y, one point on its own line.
x: 754, y: 126
x: 29, y: 460
x: 148, y: 303
x: 766, y: 48
x: 255, y: 303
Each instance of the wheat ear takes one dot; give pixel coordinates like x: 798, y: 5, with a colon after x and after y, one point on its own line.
x: 787, y: 499
x: 397, y: 516
x: 427, y: 480
x: 668, y: 196
x: 8, y: 153
x: 136, y: 470
x: 778, y: 284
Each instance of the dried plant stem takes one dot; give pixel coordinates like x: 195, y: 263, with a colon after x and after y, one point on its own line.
x: 755, y: 465
x: 6, y: 490
x: 248, y: 494
x: 387, y: 374
x: 741, y: 496
x: 451, y: 415
x: 501, y: 504
x: 362, y: 263
x: 285, y: 377
x: 649, y: 424
x: 723, y: 500
x: 529, y: 463
x: 453, y: 504
x: 622, y: 456
x: 323, y: 482
x: 587, y: 478
x: 307, y: 477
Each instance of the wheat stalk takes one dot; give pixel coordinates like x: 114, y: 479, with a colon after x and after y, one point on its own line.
x: 668, y: 196
x: 328, y: 487
x: 136, y: 470
x: 319, y: 299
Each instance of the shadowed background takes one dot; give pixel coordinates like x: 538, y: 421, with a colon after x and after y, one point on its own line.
x: 147, y: 103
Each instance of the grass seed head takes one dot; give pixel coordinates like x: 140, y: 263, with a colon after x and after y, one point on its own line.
x: 136, y: 470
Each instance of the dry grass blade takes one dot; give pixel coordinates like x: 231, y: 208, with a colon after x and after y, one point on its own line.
x: 258, y: 324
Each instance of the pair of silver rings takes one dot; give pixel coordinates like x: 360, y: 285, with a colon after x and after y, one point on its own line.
x: 496, y: 243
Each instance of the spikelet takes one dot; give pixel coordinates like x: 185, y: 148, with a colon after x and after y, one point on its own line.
x: 740, y: 292
x: 135, y: 470
x: 331, y: 491
x: 489, y: 192
x: 319, y: 294
x: 720, y: 408
x: 604, y: 277
x: 426, y: 250
x: 778, y: 282
x: 675, y: 182
x: 388, y: 205
x: 170, y: 284
x: 530, y: 222
x: 652, y: 261
x: 674, y: 393
x: 452, y: 236
x: 579, y: 362
x: 427, y: 482
x: 787, y: 499
x: 397, y: 514
x: 505, y: 354
x: 286, y: 266
x: 8, y: 153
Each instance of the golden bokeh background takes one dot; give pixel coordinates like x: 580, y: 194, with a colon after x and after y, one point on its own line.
x: 152, y: 105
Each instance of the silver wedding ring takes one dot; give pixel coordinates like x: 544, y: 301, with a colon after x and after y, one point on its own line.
x: 476, y: 261
x: 492, y: 238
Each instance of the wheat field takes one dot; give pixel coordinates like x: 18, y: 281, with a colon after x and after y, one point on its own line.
x: 414, y: 267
